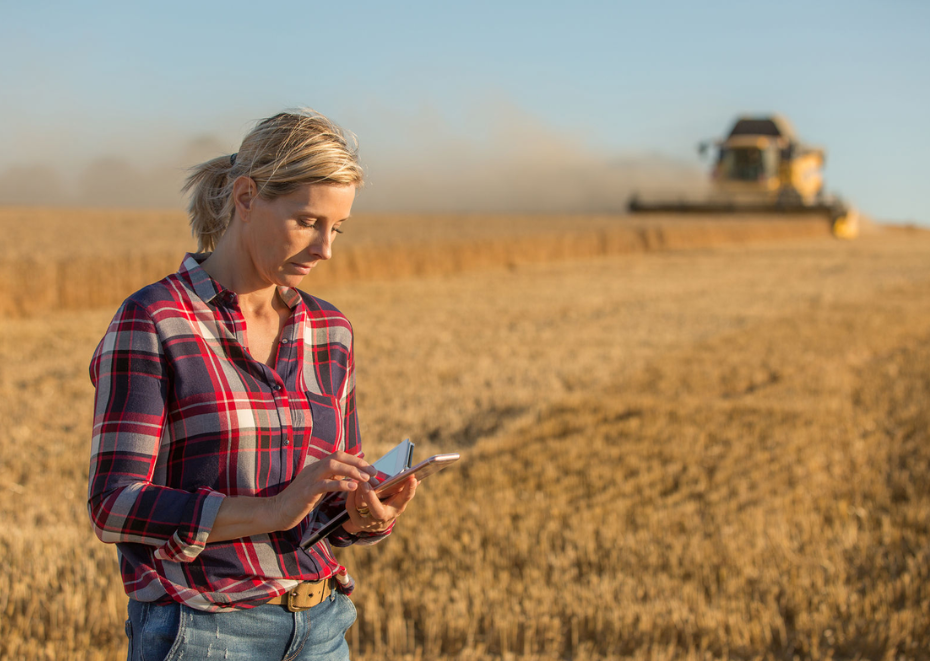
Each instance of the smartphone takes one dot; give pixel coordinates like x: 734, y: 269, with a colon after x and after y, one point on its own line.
x: 387, y: 489
x: 422, y: 470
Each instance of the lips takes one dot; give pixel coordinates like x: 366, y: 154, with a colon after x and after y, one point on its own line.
x: 303, y: 268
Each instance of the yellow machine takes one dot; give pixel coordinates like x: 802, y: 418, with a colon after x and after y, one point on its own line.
x: 762, y: 167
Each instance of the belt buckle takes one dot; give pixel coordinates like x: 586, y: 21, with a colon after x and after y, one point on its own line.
x: 292, y: 603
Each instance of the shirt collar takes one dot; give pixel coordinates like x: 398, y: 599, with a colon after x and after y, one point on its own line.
x: 290, y: 296
x: 209, y: 289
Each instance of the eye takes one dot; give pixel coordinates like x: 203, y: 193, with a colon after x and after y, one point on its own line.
x: 310, y: 223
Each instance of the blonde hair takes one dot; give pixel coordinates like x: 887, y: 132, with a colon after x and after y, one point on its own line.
x: 280, y: 154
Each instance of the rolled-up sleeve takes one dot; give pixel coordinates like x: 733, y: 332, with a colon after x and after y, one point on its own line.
x: 131, y: 376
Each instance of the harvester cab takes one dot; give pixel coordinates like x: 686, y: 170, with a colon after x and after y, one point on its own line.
x: 761, y: 160
x: 761, y: 166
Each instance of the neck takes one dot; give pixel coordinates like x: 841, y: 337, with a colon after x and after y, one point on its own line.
x: 232, y: 267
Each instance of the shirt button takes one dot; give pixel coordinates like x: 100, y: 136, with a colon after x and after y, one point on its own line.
x: 277, y: 387
x: 283, y: 340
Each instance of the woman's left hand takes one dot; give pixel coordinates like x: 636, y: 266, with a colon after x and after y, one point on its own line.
x: 380, y: 514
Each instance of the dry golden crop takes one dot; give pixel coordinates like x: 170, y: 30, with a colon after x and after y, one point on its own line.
x: 712, y: 453
x: 81, y: 259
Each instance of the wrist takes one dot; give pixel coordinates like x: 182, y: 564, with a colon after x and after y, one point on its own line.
x: 379, y: 529
x: 271, y: 513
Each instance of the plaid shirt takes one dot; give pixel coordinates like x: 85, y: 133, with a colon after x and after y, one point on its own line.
x: 184, y: 417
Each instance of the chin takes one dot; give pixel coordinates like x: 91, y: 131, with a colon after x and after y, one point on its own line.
x: 290, y: 278
x: 290, y: 281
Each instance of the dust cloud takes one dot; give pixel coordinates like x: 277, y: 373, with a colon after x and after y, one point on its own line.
x: 514, y: 164
x: 508, y: 163
x: 109, y: 181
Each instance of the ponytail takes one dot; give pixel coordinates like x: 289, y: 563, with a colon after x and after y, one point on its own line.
x: 210, y: 207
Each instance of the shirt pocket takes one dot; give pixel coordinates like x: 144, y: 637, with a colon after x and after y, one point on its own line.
x: 325, y: 432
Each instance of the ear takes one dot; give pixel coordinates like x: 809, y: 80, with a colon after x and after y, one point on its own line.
x: 244, y: 194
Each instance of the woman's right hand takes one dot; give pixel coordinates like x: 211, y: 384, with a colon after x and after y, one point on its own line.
x: 243, y: 516
x: 337, y: 472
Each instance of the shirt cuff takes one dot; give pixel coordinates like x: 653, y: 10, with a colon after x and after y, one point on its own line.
x: 342, y: 538
x: 196, y: 523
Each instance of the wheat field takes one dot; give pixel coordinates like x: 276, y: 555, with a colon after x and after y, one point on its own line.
x: 713, y: 443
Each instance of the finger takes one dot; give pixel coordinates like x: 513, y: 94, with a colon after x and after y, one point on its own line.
x: 355, y: 460
x: 352, y: 507
x: 367, y: 497
x: 403, y: 490
x: 354, y: 502
x: 344, y: 458
x: 345, y: 466
x: 393, y: 506
x: 337, y: 485
x: 351, y: 502
x: 398, y: 501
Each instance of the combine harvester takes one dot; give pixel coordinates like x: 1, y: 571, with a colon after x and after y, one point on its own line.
x: 761, y: 167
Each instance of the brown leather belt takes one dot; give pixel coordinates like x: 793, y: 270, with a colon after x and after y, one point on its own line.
x: 305, y: 596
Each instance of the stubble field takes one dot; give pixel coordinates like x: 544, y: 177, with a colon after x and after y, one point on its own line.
x: 714, y: 451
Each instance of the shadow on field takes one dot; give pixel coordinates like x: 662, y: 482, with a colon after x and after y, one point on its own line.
x: 488, y: 423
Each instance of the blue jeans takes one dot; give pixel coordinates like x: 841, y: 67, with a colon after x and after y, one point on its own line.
x: 175, y: 631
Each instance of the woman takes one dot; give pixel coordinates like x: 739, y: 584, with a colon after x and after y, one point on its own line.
x: 225, y: 429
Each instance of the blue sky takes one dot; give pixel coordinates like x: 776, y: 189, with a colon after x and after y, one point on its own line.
x: 440, y: 87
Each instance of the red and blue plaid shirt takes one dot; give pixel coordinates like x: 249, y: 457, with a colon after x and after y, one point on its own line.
x: 184, y: 416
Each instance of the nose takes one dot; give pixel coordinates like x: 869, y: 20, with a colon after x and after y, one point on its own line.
x: 322, y: 246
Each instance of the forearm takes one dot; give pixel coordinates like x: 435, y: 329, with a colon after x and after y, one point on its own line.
x: 319, y: 486
x: 244, y: 516
x: 177, y: 523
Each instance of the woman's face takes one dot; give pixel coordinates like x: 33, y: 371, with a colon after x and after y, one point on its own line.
x: 286, y: 237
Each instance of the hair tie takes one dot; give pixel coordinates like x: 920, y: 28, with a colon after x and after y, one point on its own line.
x: 232, y: 159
